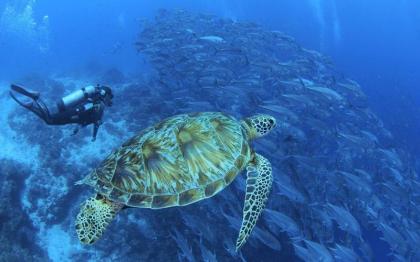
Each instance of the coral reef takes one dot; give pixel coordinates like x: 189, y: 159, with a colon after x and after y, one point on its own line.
x: 16, y: 229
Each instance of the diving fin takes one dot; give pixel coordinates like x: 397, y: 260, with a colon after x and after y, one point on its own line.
x: 32, y: 94
x: 27, y: 105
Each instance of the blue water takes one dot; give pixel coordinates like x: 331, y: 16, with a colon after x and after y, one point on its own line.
x: 59, y: 46
x: 372, y: 42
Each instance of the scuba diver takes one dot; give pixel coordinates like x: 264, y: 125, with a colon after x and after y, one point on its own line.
x: 83, y: 107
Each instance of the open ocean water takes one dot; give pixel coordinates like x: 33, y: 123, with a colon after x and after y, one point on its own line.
x: 341, y: 79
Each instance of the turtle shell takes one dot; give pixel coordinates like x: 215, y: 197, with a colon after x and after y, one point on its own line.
x: 180, y: 160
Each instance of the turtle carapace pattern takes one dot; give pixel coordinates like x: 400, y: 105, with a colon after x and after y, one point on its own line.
x: 180, y: 160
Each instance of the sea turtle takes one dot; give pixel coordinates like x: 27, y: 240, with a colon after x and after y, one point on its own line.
x: 181, y: 160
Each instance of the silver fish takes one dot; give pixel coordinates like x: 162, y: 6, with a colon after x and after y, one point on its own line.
x: 392, y: 237
x: 212, y: 39
x: 284, y: 223
x: 207, y: 255
x: 344, y: 254
x: 183, y: 246
x: 344, y: 219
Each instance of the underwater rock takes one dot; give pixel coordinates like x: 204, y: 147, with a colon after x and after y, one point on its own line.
x: 112, y: 76
x: 15, y: 230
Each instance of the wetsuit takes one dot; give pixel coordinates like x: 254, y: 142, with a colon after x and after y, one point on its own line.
x: 89, y: 111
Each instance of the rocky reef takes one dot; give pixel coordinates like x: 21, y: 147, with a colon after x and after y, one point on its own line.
x: 342, y: 189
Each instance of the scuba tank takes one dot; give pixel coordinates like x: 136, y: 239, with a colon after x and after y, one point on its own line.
x: 75, y: 98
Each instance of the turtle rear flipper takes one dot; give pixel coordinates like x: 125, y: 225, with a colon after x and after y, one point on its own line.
x: 94, y: 216
x: 258, y: 186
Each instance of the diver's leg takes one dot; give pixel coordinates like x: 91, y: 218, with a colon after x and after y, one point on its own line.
x: 41, y: 110
x: 36, y: 105
x: 58, y: 118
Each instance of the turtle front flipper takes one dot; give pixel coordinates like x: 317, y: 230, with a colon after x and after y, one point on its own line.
x: 94, y: 216
x: 258, y: 186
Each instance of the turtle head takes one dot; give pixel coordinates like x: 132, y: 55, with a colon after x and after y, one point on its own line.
x: 258, y: 125
x: 95, y: 215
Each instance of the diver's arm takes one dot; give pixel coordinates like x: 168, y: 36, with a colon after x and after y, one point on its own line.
x: 95, y: 129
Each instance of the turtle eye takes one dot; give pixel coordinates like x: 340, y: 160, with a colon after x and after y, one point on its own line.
x: 272, y: 123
